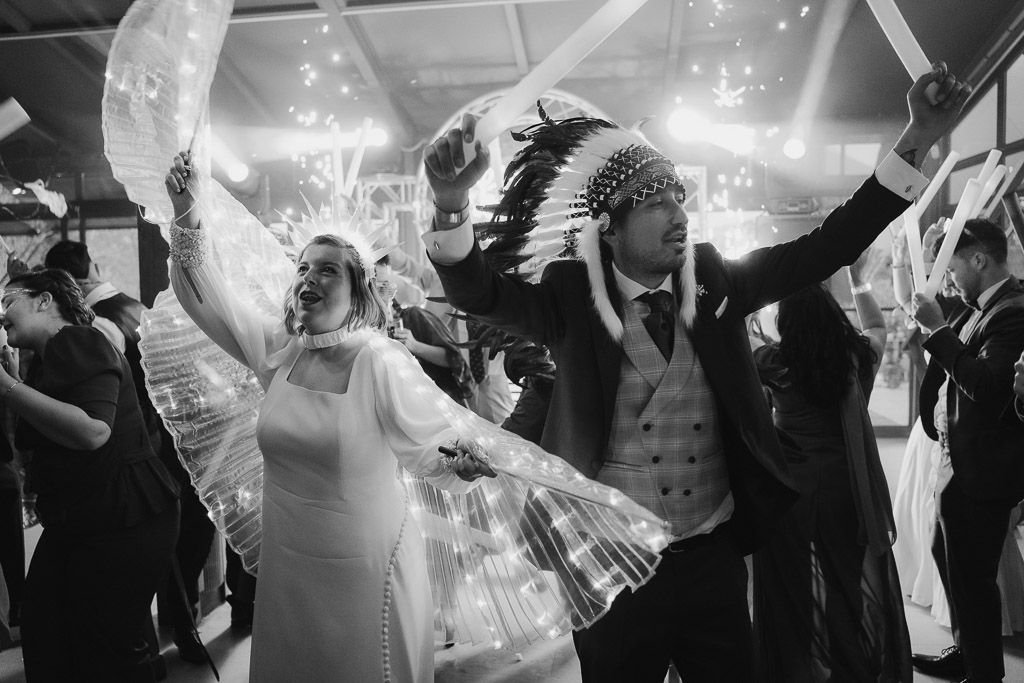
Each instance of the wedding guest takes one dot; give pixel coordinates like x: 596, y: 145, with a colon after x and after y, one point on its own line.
x: 656, y: 392
x: 108, y: 506
x: 827, y: 601
x: 981, y: 475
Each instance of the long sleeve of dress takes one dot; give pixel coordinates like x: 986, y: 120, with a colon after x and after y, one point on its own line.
x: 408, y: 405
x: 240, y: 330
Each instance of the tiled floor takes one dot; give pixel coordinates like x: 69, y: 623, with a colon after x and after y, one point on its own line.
x: 550, y: 662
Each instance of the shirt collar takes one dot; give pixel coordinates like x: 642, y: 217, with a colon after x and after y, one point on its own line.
x: 102, y: 291
x: 631, y: 289
x: 987, y: 295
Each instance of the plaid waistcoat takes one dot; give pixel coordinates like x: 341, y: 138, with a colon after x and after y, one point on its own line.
x: 665, y: 449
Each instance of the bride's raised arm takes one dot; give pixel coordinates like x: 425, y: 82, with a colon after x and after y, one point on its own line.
x: 240, y: 330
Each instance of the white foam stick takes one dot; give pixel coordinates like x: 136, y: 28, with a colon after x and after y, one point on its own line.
x: 6, y: 247
x: 566, y: 56
x: 357, y: 156
x: 933, y: 187
x: 336, y: 163
x: 998, y: 196
x: 12, y: 117
x: 956, y: 227
x: 989, y: 167
x: 994, y: 181
x: 902, y: 40
x: 912, y: 229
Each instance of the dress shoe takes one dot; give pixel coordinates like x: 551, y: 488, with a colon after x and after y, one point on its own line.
x: 949, y: 663
x: 190, y: 648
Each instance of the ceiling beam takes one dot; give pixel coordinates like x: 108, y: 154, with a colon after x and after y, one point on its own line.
x: 257, y: 15
x: 515, y: 31
x: 674, y: 47
x: 360, y: 48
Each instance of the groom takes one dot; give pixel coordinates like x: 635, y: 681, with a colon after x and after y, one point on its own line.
x: 656, y: 392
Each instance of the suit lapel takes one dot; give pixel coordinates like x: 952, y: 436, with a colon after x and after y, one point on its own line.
x: 607, y: 350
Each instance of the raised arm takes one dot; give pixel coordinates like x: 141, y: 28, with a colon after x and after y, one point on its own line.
x: 241, y: 331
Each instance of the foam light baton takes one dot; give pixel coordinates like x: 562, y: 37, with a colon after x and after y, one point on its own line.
x: 933, y: 187
x: 963, y: 209
x: 912, y: 229
x: 12, y: 117
x: 902, y: 40
x: 988, y: 190
x: 566, y: 56
x: 912, y: 216
x: 357, y: 157
x: 998, y: 196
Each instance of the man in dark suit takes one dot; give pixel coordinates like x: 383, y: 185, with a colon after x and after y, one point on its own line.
x: 656, y: 392
x: 196, y: 530
x: 968, y: 384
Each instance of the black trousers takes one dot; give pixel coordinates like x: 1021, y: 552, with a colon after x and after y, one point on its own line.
x: 88, y: 598
x: 967, y: 545
x: 12, y: 550
x: 693, y: 613
x: 195, y: 538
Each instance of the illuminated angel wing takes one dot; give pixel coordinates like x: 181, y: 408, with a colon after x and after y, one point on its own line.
x: 529, y: 555
x: 159, y: 71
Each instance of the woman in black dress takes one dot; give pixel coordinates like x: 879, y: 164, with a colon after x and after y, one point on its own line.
x: 107, y: 505
x: 827, y: 601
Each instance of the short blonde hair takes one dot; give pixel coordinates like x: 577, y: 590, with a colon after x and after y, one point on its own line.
x: 368, y: 309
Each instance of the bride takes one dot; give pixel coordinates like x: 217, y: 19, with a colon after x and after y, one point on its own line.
x: 343, y: 588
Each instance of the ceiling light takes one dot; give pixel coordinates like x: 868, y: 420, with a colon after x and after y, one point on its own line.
x: 794, y: 148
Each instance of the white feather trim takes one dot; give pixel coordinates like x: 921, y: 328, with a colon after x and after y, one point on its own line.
x: 590, y: 250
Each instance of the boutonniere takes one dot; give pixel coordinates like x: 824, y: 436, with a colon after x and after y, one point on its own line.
x: 701, y: 291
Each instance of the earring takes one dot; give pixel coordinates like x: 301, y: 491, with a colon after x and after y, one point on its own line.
x: 604, y: 221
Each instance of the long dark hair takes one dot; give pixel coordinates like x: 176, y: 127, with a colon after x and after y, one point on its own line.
x: 62, y: 287
x: 818, y: 345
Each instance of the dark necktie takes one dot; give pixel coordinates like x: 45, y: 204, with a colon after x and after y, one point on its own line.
x: 661, y: 322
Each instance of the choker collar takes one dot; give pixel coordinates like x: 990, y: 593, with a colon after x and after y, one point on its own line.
x: 322, y: 341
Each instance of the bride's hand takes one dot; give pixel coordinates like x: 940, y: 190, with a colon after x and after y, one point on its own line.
x: 182, y: 187
x: 466, y: 460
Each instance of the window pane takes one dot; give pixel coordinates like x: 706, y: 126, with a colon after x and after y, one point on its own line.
x: 976, y: 132
x: 957, y: 183
x: 861, y: 158
x: 833, y: 159
x: 116, y: 252
x: 1015, y: 101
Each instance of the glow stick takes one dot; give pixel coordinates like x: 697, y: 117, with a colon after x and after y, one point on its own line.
x: 357, y: 156
x: 912, y: 228
x: 902, y: 40
x: 566, y: 56
x: 998, y: 196
x: 12, y: 117
x: 933, y: 187
x: 336, y: 162
x: 989, y: 167
x: 963, y: 208
x: 986, y: 192
x: 5, y: 246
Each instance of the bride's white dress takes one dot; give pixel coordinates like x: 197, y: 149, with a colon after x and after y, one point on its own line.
x: 343, y: 587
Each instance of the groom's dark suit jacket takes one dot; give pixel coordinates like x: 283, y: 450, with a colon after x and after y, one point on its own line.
x: 558, y: 312
x: 987, y: 452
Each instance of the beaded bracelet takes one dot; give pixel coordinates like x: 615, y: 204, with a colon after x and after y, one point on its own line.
x: 11, y: 388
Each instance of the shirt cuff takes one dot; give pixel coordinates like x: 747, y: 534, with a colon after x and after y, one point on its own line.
x: 899, y: 177
x: 450, y: 246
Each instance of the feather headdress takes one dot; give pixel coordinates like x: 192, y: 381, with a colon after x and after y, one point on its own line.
x: 564, y: 188
x: 362, y: 236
